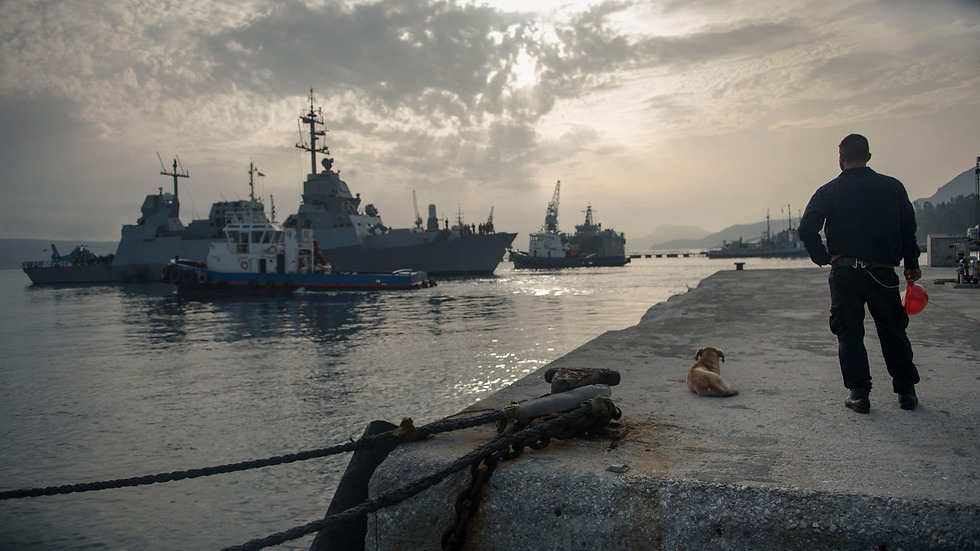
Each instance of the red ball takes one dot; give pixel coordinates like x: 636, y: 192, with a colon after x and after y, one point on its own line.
x: 914, y: 299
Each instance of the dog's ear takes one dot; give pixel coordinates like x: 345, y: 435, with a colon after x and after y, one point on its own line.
x: 697, y: 354
x: 721, y: 355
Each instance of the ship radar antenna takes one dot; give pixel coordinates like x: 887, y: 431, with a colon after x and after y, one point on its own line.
x: 272, y: 208
x: 175, y: 173
x: 313, y: 118
x: 588, y: 215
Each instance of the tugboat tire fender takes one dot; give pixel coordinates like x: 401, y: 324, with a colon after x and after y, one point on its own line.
x: 203, y: 278
x: 174, y: 276
x: 165, y: 273
x: 187, y: 277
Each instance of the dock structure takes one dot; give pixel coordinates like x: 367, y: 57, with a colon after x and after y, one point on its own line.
x: 782, y: 465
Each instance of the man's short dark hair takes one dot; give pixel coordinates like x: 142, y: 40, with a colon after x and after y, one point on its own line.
x: 855, y: 148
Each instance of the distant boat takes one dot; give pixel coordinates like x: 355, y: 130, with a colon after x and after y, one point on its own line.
x: 83, y: 263
x: 784, y: 244
x: 268, y: 258
x: 590, y: 245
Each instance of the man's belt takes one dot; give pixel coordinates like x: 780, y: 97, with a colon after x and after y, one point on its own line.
x: 851, y: 262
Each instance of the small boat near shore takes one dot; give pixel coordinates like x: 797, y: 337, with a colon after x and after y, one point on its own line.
x: 269, y: 258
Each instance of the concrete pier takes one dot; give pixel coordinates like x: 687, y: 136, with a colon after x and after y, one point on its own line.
x: 782, y: 465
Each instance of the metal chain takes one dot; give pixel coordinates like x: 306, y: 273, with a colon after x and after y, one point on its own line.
x: 468, y: 503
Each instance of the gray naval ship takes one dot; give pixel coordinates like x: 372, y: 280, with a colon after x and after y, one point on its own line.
x: 157, y: 237
x: 356, y: 240
x: 351, y: 239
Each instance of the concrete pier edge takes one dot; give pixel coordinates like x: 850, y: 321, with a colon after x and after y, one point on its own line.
x: 782, y: 465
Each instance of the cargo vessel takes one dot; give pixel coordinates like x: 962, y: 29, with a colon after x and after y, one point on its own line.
x: 590, y: 245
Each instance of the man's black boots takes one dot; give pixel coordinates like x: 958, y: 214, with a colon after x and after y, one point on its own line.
x: 858, y: 400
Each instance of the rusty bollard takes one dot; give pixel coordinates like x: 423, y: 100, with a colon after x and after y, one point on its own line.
x: 563, y: 379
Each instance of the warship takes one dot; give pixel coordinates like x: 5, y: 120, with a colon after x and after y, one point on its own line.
x: 784, y: 244
x: 356, y: 240
x: 353, y: 240
x: 156, y: 237
x: 590, y: 245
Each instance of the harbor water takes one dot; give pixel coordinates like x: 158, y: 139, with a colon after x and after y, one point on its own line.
x: 106, y: 382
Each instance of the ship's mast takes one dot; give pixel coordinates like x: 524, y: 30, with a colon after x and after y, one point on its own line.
x: 174, y: 173
x: 252, y: 173
x: 313, y: 118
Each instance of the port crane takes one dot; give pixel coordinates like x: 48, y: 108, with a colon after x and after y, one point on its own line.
x: 551, y: 215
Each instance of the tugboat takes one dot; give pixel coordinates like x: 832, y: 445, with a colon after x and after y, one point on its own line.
x: 590, y: 245
x: 264, y: 257
x: 785, y: 244
x: 357, y: 240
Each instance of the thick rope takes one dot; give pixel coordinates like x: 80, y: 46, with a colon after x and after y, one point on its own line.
x: 393, y: 497
x: 443, y: 425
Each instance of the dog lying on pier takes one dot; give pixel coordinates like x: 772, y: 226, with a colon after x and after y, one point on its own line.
x: 704, y: 377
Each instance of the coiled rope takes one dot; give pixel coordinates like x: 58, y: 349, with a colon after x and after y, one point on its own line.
x: 406, y: 432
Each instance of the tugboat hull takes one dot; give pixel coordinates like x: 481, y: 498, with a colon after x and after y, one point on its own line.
x: 198, y: 280
x: 522, y: 260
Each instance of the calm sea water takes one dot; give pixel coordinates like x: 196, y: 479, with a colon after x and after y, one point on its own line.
x: 104, y: 382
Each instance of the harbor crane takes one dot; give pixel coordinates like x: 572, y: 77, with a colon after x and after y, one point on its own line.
x: 418, y: 218
x: 551, y: 216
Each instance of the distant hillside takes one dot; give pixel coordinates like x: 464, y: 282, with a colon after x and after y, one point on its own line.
x: 964, y: 184
x: 747, y: 232
x: 13, y: 252
x: 689, y: 237
x: 667, y: 233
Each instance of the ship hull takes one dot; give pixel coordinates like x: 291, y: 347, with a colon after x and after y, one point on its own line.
x: 45, y: 273
x: 473, y: 255
x: 524, y: 261
x: 209, y: 282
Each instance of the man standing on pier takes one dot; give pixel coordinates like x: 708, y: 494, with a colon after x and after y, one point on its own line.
x: 869, y: 223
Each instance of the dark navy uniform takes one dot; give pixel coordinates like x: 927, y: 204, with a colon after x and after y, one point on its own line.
x: 870, y: 223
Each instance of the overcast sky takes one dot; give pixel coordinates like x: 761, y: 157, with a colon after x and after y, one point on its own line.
x: 695, y: 112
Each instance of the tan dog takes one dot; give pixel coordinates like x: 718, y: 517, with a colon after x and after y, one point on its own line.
x: 704, y: 377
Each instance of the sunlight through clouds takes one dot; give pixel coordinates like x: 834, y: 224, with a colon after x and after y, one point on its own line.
x: 485, y: 103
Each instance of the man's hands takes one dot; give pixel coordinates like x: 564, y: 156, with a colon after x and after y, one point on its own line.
x: 911, y: 276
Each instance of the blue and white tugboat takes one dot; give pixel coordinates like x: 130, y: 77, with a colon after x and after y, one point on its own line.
x: 260, y: 256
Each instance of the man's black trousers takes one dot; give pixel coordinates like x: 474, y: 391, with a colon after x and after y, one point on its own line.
x: 850, y: 289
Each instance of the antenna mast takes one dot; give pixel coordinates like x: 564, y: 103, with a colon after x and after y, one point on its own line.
x: 252, y: 173
x: 174, y: 173
x: 313, y: 118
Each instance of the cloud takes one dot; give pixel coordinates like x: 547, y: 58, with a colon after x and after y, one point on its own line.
x: 463, y: 98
